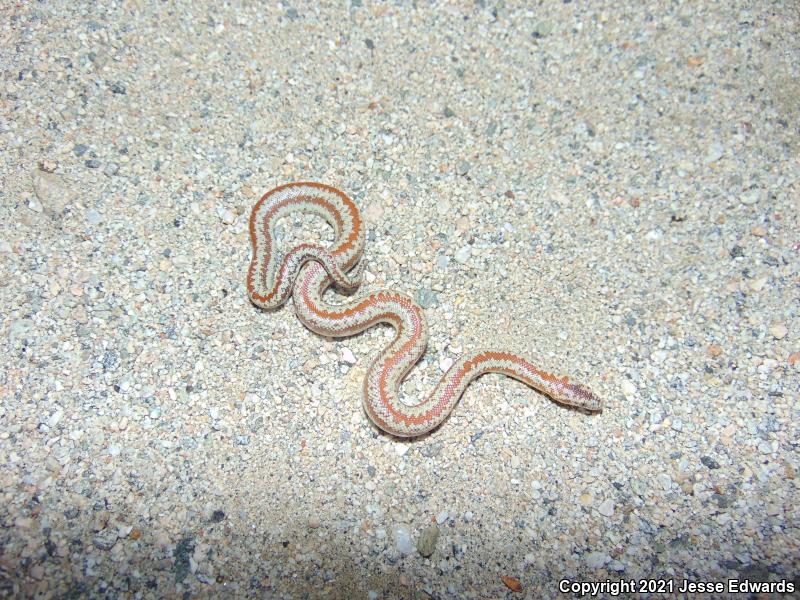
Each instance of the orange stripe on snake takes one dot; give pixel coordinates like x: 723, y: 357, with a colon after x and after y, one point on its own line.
x: 308, y: 270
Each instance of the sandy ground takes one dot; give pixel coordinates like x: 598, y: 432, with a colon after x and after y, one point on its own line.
x: 609, y: 187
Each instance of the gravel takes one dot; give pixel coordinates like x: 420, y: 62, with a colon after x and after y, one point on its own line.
x: 611, y: 189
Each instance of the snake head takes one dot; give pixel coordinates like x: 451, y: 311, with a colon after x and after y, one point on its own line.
x: 579, y: 395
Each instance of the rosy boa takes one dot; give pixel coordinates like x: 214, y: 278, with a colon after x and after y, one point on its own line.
x: 308, y: 270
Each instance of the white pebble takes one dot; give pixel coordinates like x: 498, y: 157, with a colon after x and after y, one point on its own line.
x: 463, y: 254
x: 402, y: 539
x: 348, y: 356
x: 55, y: 418
x: 628, y: 389
x: 606, y: 508
x: 595, y: 560
x: 35, y: 205
x: 226, y: 215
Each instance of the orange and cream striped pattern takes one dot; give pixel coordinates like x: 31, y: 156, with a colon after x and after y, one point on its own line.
x: 308, y: 270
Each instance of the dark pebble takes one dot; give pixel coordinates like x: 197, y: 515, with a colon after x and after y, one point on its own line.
x: 183, y: 552
x: 217, y: 516
x: 771, y: 261
x: 709, y: 462
x: 80, y: 149
x: 117, y: 88
x: 721, y: 500
x: 93, y: 163
x: 370, y: 44
x: 737, y: 251
x: 448, y: 113
x: 431, y: 450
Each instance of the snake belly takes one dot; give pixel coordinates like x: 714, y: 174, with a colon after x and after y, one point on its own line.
x: 306, y: 271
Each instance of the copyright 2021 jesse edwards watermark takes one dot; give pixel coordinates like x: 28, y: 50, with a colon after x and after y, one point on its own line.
x: 673, y: 586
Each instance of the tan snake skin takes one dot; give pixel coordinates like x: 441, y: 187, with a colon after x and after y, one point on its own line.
x: 308, y: 270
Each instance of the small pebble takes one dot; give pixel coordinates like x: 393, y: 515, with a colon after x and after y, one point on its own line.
x: 750, y: 198
x: 373, y: 213
x: 426, y: 544
x: 463, y: 254
x: 52, y: 192
x: 402, y: 539
x: 779, y: 331
x: 596, y: 560
x: 348, y: 356
x: 714, y: 153
x: 226, y: 215
x: 758, y: 283
x: 542, y: 29
x: 35, y: 205
x: 106, y: 539
x: 606, y: 508
x: 427, y: 298
x: 217, y: 516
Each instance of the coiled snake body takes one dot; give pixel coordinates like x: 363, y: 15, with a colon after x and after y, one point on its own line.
x: 308, y: 270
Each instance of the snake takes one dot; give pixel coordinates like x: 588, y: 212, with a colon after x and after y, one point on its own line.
x: 306, y: 271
